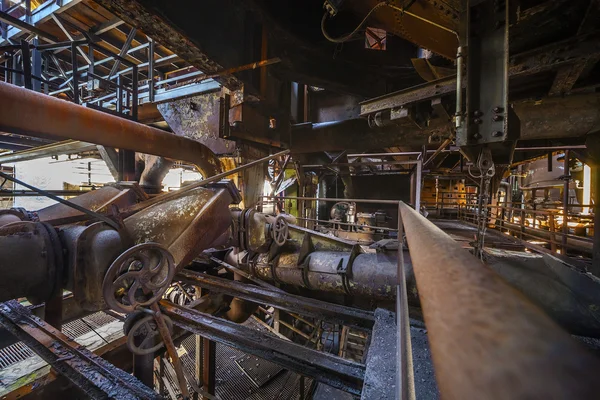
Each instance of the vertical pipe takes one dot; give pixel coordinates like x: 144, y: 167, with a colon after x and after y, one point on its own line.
x: 459, y: 80
x: 587, y: 188
x: 567, y: 179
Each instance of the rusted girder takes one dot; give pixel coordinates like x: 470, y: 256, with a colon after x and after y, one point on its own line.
x: 485, y: 337
x: 94, y: 376
x: 285, y: 301
x: 323, y: 367
x: 550, y: 118
x: 26, y: 112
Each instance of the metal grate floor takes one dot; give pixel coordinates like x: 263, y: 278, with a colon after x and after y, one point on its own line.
x: 233, y: 384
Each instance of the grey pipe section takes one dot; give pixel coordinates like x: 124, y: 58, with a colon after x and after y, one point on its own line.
x: 371, y: 275
x: 486, y: 338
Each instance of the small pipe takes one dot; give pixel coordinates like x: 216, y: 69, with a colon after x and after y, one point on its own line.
x: 366, y: 201
x: 204, y: 182
x: 459, y: 82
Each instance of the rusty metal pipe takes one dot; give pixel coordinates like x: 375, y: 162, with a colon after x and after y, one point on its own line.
x: 26, y: 112
x: 486, y: 338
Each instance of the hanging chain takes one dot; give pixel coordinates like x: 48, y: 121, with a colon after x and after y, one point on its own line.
x: 488, y: 170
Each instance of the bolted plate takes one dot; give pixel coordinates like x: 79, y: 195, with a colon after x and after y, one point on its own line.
x: 258, y: 370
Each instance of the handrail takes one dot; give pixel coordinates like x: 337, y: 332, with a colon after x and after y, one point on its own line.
x: 487, y: 340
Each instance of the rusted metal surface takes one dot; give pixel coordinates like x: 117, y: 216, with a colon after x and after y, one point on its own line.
x: 198, y: 118
x: 485, y: 337
x: 58, y: 119
x: 97, y: 378
x: 323, y: 367
x: 96, y: 200
x: 203, y: 182
x: 186, y: 224
x: 285, y: 301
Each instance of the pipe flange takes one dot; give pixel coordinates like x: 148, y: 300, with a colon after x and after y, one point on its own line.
x: 305, y: 279
x: 138, y: 277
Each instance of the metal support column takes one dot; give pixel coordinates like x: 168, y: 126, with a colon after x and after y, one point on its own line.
x: 36, y: 64
x: 209, y: 352
x: 75, y: 73
x: 26, y: 64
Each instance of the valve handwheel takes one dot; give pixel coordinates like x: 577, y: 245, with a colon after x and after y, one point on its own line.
x: 138, y: 277
x: 143, y: 336
x: 280, y: 230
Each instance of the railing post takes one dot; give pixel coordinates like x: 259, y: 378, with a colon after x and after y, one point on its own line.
x: 522, y: 221
x: 552, y: 227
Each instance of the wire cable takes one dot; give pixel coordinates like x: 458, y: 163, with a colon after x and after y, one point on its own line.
x: 347, y: 37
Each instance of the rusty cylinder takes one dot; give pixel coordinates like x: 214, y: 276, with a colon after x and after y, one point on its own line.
x: 487, y: 340
x: 369, y: 275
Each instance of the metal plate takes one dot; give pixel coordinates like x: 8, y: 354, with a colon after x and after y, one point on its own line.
x: 258, y: 370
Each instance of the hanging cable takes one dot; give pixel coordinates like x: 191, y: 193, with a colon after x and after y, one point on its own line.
x: 403, y: 10
x: 347, y: 37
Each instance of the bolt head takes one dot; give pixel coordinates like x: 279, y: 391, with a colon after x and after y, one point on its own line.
x: 497, y: 118
x: 497, y: 133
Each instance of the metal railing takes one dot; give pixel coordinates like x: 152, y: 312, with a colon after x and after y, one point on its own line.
x: 551, y: 227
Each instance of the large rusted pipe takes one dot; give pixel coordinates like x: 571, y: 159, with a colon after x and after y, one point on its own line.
x: 487, y: 340
x: 26, y: 112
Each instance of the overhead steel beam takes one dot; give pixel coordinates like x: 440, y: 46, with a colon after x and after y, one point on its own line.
x: 566, y: 52
x: 10, y: 20
x: 486, y: 337
x: 26, y: 112
x: 323, y: 367
x: 540, y: 119
x: 94, y: 376
x: 107, y: 26
x: 123, y: 52
x: 284, y: 301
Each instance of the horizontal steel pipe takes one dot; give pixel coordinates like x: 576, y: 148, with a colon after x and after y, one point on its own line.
x: 372, y: 275
x: 26, y: 112
x: 486, y: 339
x: 285, y: 301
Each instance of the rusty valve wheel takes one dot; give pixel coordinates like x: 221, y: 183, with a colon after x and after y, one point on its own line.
x: 138, y: 277
x: 143, y: 336
x: 280, y: 230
